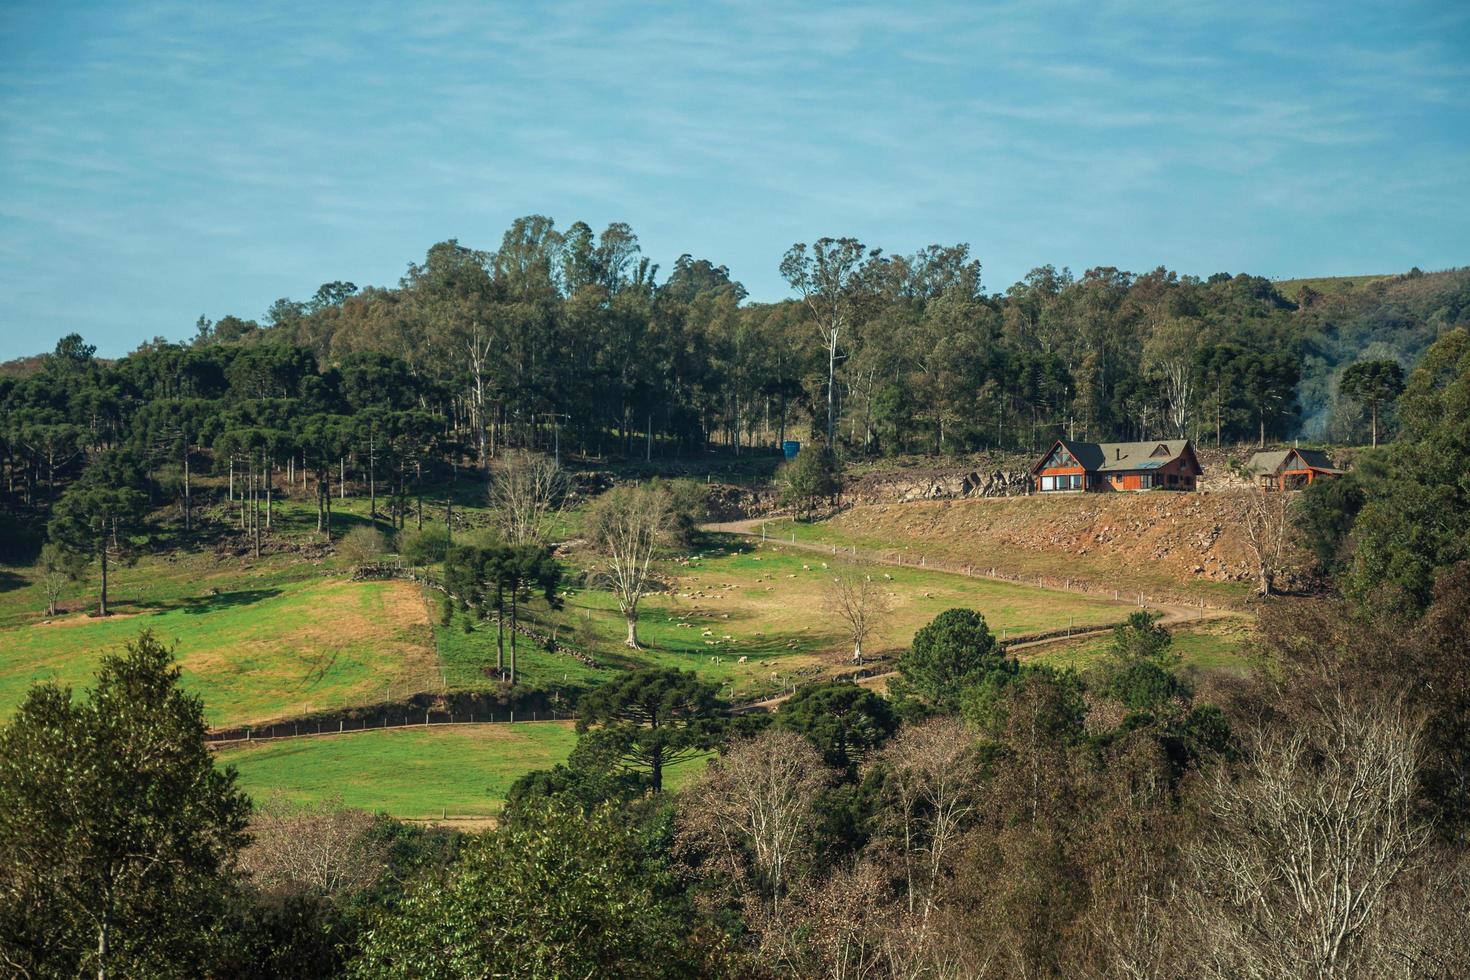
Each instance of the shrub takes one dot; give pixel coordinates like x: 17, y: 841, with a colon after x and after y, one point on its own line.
x: 362, y: 544
x: 426, y: 546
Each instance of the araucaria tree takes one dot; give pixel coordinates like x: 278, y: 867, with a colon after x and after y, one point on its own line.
x: 117, y: 833
x: 1374, y: 385
x: 652, y: 719
x: 97, y: 514
x: 496, y: 580
x: 627, y: 527
x: 859, y: 603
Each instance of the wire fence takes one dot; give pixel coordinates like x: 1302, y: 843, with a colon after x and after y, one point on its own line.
x: 410, y: 717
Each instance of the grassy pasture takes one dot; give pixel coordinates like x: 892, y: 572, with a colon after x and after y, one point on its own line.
x: 736, y: 598
x: 464, y: 770
x: 770, y: 601
x: 1292, y: 288
x: 257, y: 651
x: 409, y: 772
x: 1213, y: 645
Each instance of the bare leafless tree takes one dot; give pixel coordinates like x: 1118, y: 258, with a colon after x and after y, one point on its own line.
x: 1307, y: 843
x: 525, y: 491
x: 626, y: 527
x: 751, y: 819
x: 859, y: 602
x: 934, y: 779
x: 319, y: 849
x: 1266, y: 518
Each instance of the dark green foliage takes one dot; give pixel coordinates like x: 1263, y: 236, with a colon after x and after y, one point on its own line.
x: 495, y: 580
x: 117, y: 832
x: 1416, y: 518
x: 1325, y: 512
x: 1375, y: 385
x: 1139, y: 671
x: 688, y: 506
x: 845, y: 722
x: 812, y: 477
x: 950, y: 657
x: 650, y: 719
x: 98, y: 514
x: 560, y: 894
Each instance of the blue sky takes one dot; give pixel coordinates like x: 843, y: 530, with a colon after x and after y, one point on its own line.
x: 159, y: 160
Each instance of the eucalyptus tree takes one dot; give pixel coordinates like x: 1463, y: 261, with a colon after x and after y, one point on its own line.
x: 826, y: 277
x: 449, y: 296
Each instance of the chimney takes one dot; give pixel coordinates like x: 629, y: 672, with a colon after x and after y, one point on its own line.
x: 1117, y: 453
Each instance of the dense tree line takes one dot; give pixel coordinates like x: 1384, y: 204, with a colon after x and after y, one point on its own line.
x: 570, y: 338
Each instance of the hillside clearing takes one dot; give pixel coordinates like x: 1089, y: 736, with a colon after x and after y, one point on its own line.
x: 254, y: 654
x: 413, y: 773
x: 410, y: 772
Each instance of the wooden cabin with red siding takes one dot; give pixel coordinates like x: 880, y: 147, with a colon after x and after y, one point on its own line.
x: 1071, y: 466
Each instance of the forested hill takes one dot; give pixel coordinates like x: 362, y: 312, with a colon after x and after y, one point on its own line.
x: 579, y: 328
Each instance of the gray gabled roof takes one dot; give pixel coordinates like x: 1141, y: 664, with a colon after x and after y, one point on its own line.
x: 1103, y: 457
x: 1271, y: 461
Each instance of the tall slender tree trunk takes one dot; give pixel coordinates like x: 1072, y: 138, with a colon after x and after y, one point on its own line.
x: 831, y: 381
x: 500, y: 638
x: 102, y: 554
x: 1375, y: 424
x: 513, y: 620
x: 188, y: 493
x: 372, y: 479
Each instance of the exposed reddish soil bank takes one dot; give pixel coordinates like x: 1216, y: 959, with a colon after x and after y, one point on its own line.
x: 1172, y: 546
x: 1180, y: 536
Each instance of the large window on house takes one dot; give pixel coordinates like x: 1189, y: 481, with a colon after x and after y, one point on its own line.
x: 1061, y: 458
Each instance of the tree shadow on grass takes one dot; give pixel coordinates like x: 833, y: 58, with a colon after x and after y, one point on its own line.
x: 213, y: 602
x: 9, y: 580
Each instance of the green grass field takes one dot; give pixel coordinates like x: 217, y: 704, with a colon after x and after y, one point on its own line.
x: 765, y: 603
x: 1292, y: 288
x: 253, y: 653
x: 288, y: 634
x: 465, y: 770
x: 413, y: 773
x: 1221, y: 644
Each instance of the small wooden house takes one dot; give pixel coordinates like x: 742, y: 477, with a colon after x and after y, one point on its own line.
x: 1290, y: 469
x: 1168, y: 464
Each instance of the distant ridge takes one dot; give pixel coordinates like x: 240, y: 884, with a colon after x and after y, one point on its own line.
x: 1292, y: 288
